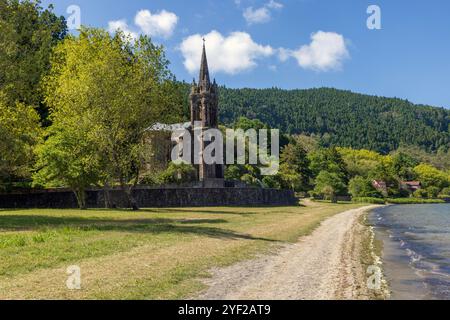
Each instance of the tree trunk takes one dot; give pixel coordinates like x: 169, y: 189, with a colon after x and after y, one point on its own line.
x: 128, y: 190
x: 107, y: 196
x: 80, y: 194
x: 131, y: 199
x: 334, y: 198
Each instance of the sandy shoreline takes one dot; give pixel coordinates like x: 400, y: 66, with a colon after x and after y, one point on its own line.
x: 326, y: 265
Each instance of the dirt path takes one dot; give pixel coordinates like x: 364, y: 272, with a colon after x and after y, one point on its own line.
x: 325, y: 265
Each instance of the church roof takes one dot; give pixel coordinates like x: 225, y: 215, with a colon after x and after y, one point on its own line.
x: 169, y: 127
x: 204, y: 70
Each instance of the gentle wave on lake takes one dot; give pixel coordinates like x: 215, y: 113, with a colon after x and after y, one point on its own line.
x: 416, y: 249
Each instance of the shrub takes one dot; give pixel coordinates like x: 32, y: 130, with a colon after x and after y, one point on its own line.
x: 414, y: 201
x: 178, y: 173
x: 433, y: 192
x: 431, y: 176
x: 250, y: 180
x: 234, y: 172
x: 368, y: 200
x: 399, y: 193
x: 151, y: 179
x: 329, y: 185
x: 421, y: 194
x: 360, y: 187
x: 445, y: 193
x: 271, y: 182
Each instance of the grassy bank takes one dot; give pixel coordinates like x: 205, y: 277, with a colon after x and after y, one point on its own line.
x: 152, y: 254
x: 415, y: 201
x: 398, y: 201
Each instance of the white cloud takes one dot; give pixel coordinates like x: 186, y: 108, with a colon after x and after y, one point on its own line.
x: 284, y: 54
x: 327, y: 51
x: 161, y: 24
x: 263, y: 14
x: 122, y: 25
x: 232, y: 54
x: 274, y: 5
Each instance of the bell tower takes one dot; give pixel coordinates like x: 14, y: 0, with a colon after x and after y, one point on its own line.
x: 204, y: 101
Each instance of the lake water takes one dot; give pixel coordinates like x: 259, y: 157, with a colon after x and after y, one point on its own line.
x: 416, y: 249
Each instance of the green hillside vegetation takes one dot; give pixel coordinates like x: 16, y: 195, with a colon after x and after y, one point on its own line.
x: 342, y: 118
x: 330, y: 172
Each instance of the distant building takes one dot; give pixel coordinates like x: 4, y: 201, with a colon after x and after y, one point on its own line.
x: 411, y: 186
x: 169, y: 127
x: 381, y: 186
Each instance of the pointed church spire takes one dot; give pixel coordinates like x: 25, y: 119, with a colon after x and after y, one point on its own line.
x: 204, y: 71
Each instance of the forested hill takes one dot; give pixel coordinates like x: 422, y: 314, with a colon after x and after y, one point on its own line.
x: 342, y: 118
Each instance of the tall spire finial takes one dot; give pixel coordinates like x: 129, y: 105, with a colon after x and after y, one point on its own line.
x: 204, y: 71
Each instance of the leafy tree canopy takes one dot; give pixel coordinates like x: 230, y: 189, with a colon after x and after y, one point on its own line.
x: 329, y: 184
x: 431, y: 176
x: 28, y: 35
x: 20, y: 132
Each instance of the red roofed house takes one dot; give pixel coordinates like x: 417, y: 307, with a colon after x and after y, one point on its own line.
x: 411, y: 186
x: 381, y: 186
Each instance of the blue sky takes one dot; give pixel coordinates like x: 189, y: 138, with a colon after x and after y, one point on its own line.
x: 296, y: 43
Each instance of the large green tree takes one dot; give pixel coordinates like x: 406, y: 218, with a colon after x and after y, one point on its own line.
x: 68, y: 159
x: 116, y: 88
x: 328, y: 159
x: 362, y: 187
x: 28, y: 34
x: 431, y: 176
x: 360, y: 162
x: 329, y: 185
x: 403, y: 166
x: 295, y: 166
x: 20, y: 132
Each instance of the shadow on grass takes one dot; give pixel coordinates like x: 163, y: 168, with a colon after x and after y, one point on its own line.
x: 145, y: 226
x: 200, y: 211
x: 243, y: 211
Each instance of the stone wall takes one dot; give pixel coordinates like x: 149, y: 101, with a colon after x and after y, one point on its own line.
x: 154, y: 197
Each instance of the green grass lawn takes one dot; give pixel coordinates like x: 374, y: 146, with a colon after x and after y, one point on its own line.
x: 150, y: 254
